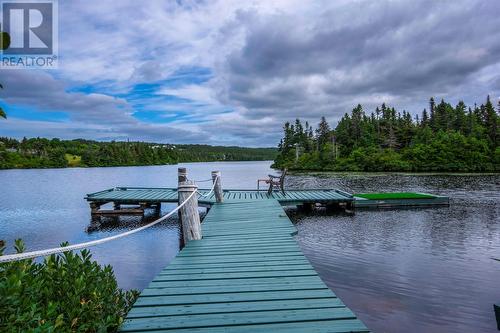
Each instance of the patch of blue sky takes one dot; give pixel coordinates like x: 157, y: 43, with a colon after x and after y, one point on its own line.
x: 159, y: 117
x: 29, y: 113
x: 192, y: 75
x: 154, y: 106
x: 181, y: 77
x: 102, y: 87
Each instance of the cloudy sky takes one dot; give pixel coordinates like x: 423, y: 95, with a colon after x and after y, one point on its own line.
x: 231, y: 72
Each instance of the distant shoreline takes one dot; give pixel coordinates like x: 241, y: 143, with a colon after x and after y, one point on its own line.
x: 41, y: 153
x: 127, y: 166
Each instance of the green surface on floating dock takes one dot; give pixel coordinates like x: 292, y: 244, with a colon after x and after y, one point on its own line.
x: 247, y: 274
x: 395, y: 196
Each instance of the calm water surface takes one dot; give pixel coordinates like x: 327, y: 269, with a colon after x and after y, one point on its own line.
x: 418, y: 270
x: 414, y: 270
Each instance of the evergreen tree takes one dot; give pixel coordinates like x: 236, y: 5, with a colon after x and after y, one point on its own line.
x: 323, y: 133
x: 450, y: 138
x: 2, y: 112
x: 490, y: 120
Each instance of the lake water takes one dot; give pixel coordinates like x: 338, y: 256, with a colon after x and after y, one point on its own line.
x: 412, y: 270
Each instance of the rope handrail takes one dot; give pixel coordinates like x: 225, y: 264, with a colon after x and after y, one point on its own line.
x: 47, y: 252
x: 204, y: 180
x: 209, y: 193
x: 211, y: 190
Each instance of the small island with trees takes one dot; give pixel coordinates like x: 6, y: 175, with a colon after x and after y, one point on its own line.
x: 443, y: 139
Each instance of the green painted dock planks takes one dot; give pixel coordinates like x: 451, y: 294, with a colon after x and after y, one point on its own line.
x: 247, y: 274
x: 135, y: 195
x: 152, y: 195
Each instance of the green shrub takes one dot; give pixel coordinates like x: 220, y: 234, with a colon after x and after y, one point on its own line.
x: 67, y: 292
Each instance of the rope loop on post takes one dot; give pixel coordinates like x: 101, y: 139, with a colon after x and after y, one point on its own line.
x: 211, y: 190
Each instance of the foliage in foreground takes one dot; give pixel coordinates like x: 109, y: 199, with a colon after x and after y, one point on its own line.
x: 66, y: 293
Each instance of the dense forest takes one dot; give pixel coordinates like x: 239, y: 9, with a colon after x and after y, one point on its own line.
x: 56, y: 153
x: 442, y: 138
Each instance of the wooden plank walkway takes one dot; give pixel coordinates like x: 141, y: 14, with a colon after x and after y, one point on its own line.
x: 152, y: 195
x: 247, y: 274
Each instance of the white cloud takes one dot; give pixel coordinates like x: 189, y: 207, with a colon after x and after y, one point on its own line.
x: 270, y: 61
x: 197, y: 93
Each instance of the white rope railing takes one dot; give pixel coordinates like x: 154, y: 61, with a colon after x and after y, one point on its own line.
x: 203, y: 180
x: 211, y: 191
x: 47, y: 252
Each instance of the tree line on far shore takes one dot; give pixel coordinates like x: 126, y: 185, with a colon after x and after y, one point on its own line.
x: 56, y: 153
x: 442, y: 138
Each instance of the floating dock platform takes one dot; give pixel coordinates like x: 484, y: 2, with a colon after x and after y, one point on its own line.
x: 402, y: 199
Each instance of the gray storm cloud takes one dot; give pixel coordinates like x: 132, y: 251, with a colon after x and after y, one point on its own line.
x: 269, y: 62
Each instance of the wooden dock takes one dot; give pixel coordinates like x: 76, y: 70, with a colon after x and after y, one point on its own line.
x: 163, y: 194
x: 241, y: 269
x: 146, y: 197
x: 247, y: 274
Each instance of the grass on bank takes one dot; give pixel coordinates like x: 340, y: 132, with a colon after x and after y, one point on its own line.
x: 67, y: 292
x: 73, y: 160
x: 394, y: 195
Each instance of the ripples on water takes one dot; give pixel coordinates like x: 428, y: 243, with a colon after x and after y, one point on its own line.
x: 412, y: 270
x: 418, y: 270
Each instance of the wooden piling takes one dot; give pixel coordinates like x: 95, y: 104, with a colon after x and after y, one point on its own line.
x: 94, y: 207
x: 349, y: 208
x: 216, y: 178
x: 496, y: 308
x: 306, y: 207
x: 181, y: 175
x: 190, y: 217
x: 333, y: 207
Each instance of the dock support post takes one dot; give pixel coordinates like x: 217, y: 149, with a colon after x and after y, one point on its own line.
x: 349, y: 208
x: 181, y: 177
x: 332, y: 207
x: 216, y: 177
x: 497, y: 314
x: 94, y: 207
x: 306, y: 207
x: 190, y: 216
